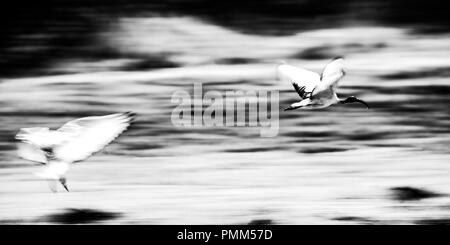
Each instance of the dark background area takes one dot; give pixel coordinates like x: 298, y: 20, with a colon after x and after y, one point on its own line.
x: 33, y: 33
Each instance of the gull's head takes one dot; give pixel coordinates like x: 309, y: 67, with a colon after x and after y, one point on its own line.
x: 48, y: 151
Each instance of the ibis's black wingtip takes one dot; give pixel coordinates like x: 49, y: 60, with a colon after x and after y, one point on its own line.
x: 130, y: 114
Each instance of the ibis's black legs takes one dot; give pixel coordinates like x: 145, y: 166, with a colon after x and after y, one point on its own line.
x: 291, y: 108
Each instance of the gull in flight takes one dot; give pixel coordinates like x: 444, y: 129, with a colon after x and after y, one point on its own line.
x: 73, y: 142
x: 316, y: 91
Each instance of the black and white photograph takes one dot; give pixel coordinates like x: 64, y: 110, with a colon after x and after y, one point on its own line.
x: 196, y: 112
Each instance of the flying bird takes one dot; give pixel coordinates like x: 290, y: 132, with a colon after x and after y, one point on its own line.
x: 73, y: 142
x: 316, y: 91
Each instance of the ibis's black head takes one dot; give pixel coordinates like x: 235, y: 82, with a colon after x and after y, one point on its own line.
x: 353, y: 99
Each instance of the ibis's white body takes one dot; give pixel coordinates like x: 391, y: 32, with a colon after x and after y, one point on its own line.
x: 316, y: 103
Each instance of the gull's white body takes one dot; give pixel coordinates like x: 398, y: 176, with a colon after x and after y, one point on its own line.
x: 54, y: 170
x: 321, y: 88
x: 75, y: 141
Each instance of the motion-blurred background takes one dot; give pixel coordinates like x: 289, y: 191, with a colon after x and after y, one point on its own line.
x: 60, y: 60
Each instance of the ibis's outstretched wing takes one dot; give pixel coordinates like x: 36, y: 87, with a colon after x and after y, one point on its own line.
x: 331, y: 74
x: 89, y: 135
x: 304, y: 81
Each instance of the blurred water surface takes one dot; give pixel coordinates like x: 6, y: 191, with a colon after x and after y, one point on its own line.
x: 332, y: 166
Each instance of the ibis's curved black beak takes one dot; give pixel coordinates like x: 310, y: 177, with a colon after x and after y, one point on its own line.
x: 353, y: 99
x: 362, y: 102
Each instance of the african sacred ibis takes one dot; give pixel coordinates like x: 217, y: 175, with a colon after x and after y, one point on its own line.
x: 316, y: 91
x: 73, y: 142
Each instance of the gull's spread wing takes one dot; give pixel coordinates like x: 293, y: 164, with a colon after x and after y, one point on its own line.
x: 89, y: 135
x: 41, y: 137
x: 31, y: 152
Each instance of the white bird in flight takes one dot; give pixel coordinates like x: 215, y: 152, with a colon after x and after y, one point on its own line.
x: 73, y: 142
x: 316, y: 91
